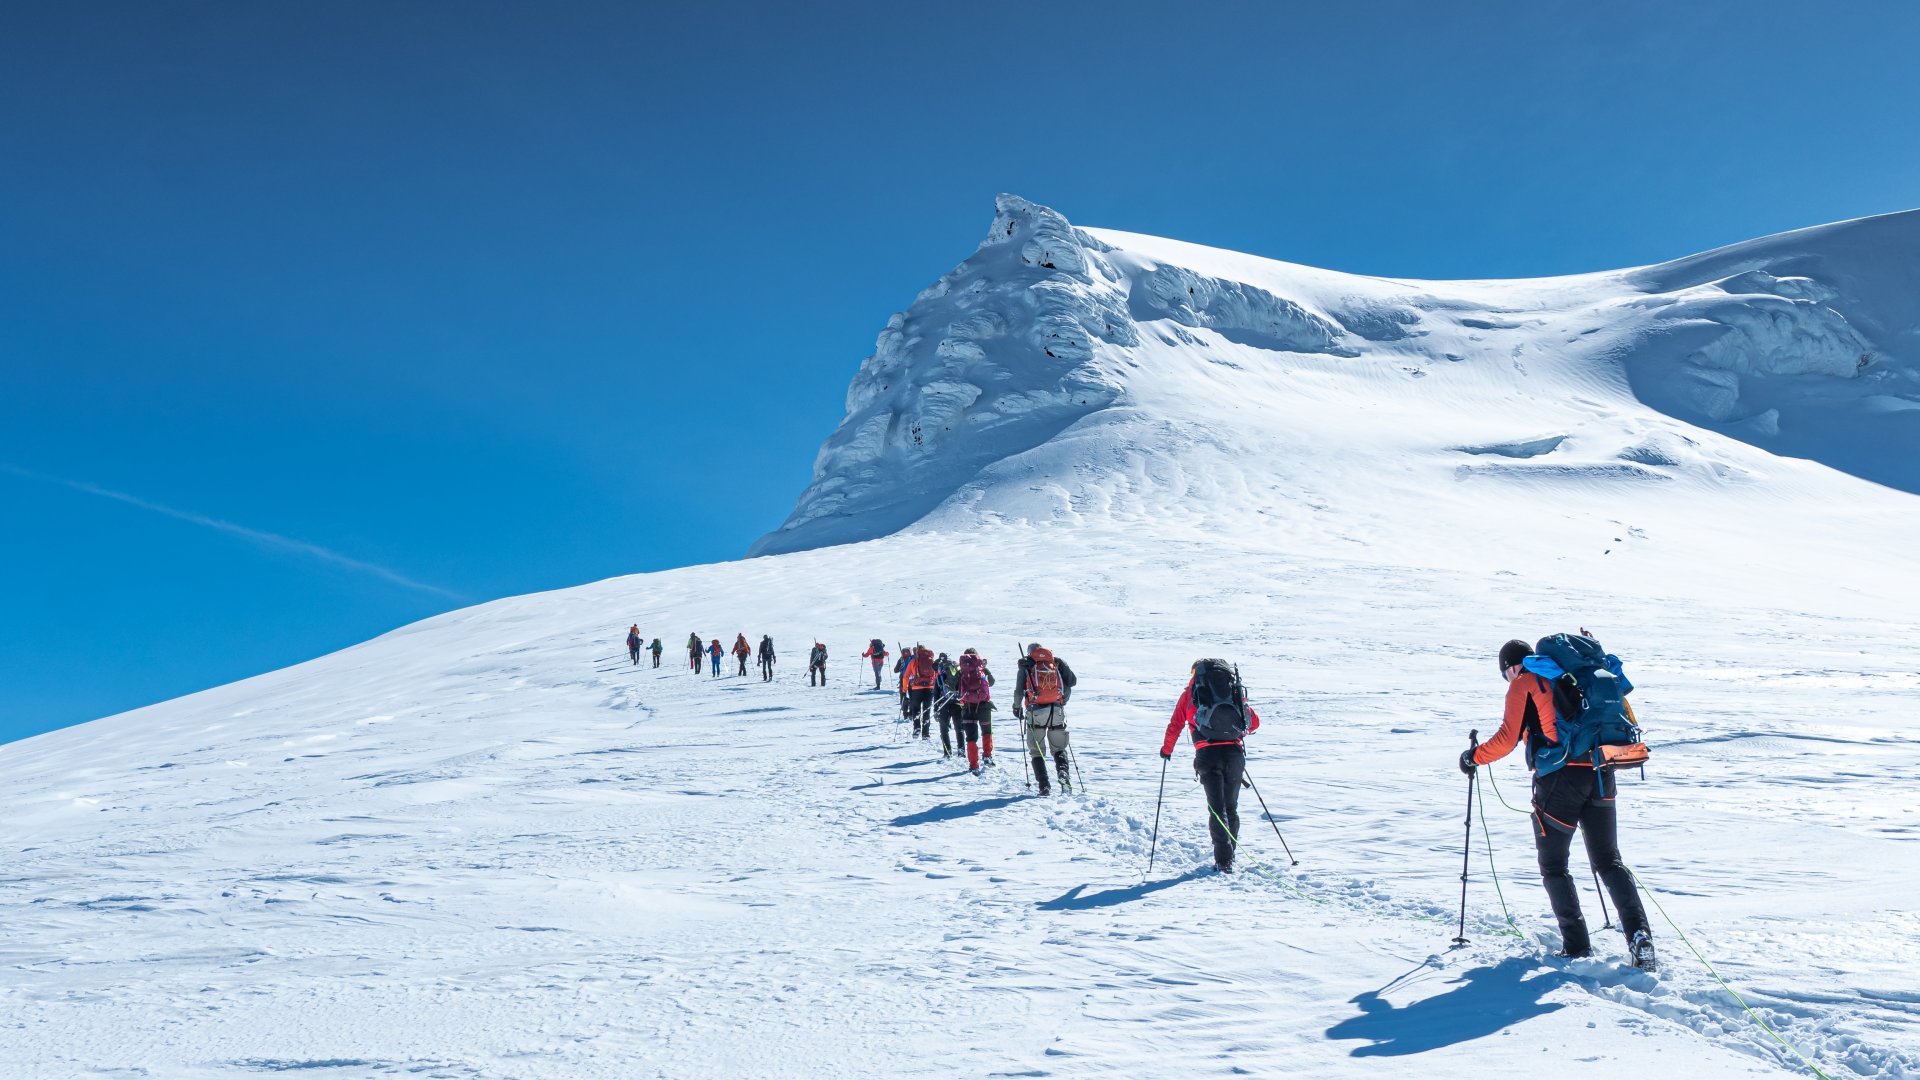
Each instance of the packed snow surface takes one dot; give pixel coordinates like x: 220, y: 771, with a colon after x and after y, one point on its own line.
x: 486, y: 845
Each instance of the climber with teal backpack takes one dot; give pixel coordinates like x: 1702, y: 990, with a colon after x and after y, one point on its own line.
x: 1567, y: 696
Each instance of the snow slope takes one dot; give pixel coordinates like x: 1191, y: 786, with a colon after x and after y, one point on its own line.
x: 472, y: 847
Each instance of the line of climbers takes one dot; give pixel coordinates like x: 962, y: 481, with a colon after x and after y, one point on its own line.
x: 711, y: 656
x: 636, y: 644
x: 958, y: 695
x: 1566, y: 703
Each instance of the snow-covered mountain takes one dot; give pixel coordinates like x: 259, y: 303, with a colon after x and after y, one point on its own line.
x: 484, y: 845
x: 1157, y: 364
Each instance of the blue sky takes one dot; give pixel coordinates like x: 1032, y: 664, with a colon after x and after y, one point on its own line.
x: 317, y: 319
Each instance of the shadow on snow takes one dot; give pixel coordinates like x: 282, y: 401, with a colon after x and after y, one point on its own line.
x: 1076, y: 899
x: 952, y: 811
x: 1480, y: 1002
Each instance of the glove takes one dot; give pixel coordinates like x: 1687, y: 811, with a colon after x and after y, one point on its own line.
x: 1017, y: 714
x: 1166, y: 755
x: 1245, y: 783
x: 1466, y: 761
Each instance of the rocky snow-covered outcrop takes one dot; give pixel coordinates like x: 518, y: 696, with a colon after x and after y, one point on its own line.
x: 1805, y: 343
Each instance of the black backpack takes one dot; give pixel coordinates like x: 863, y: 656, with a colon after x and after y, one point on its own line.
x: 1220, y: 712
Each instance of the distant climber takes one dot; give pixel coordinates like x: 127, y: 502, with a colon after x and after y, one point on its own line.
x: 817, y: 664
x: 976, y: 708
x: 742, y: 652
x: 1041, y: 688
x: 766, y: 658
x: 1213, y: 709
x: 919, y: 682
x: 877, y: 652
x: 633, y: 644
x: 716, y: 653
x: 946, y: 703
x: 900, y: 679
x: 656, y: 649
x: 694, y: 652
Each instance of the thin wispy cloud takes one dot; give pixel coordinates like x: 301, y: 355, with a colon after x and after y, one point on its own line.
x: 272, y: 541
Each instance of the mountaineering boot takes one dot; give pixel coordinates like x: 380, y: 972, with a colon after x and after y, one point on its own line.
x: 1223, y: 868
x: 1060, y: 765
x: 1040, y: 774
x: 1642, y: 949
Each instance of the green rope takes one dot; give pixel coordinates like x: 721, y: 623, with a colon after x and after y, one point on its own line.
x: 1495, y: 781
x: 1738, y: 1000
x: 1512, y: 929
x: 1688, y: 942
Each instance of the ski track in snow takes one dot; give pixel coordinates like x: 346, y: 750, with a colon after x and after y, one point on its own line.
x: 519, y: 863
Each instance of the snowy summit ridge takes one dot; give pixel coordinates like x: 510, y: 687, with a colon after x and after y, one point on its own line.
x: 1803, y: 343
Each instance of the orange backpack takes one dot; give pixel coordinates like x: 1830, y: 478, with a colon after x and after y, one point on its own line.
x: 1043, y: 682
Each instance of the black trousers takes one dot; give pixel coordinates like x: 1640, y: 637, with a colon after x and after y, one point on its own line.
x: 766, y: 669
x: 920, y: 711
x: 950, y: 718
x: 817, y: 669
x: 1564, y: 801
x: 1220, y: 769
x: 656, y: 659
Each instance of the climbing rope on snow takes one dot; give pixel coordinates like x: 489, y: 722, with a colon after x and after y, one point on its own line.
x: 1738, y: 1000
x: 1685, y: 940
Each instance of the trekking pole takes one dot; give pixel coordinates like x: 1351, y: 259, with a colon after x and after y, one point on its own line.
x: 1155, y: 845
x: 1269, y: 813
x: 1603, y: 898
x: 1079, y: 780
x: 1466, y: 849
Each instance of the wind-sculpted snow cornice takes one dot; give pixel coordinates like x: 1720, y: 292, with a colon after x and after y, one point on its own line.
x: 998, y: 356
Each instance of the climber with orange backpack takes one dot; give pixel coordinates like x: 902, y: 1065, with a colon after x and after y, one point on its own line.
x: 1040, y: 692
x: 919, y: 677
x: 742, y: 652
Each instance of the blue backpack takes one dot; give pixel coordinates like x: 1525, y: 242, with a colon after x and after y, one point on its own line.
x: 1591, y: 716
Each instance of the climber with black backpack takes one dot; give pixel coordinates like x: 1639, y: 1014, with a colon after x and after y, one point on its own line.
x: 1567, y: 696
x: 817, y: 664
x: 1214, y: 710
x: 946, y: 703
x: 876, y: 652
x: 1041, y: 687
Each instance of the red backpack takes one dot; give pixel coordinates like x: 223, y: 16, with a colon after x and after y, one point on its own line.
x: 1043, y: 682
x: 920, y: 673
x: 973, y: 680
